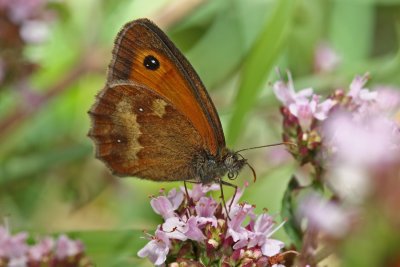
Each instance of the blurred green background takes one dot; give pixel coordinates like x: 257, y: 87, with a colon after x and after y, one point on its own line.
x: 50, y: 181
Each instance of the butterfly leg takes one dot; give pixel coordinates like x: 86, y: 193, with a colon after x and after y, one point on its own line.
x: 222, y: 182
x: 186, y: 191
x: 190, y: 202
x: 223, y: 198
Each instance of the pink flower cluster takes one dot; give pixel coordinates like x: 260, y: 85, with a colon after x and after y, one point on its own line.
x: 22, y: 23
x: 48, y: 252
x: 358, y: 126
x: 197, y: 231
x: 348, y: 148
x: 304, y: 105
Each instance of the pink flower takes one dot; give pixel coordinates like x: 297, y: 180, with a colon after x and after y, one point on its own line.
x: 199, y: 190
x: 304, y: 105
x: 306, y: 111
x: 35, y: 31
x: 14, y: 247
x: 192, y: 231
x: 326, y: 216
x: 179, y: 229
x: 286, y: 94
x: 357, y: 91
x: 166, y: 205
x: 236, y: 230
x: 387, y: 100
x: 40, y: 250
x: 18, y: 253
x: 175, y: 228
x: 358, y: 144
x: 201, y: 219
x: 325, y: 58
x: 20, y: 10
x: 260, y: 234
x: 175, y: 197
x: 157, y: 249
x: 66, y: 247
x: 205, y: 209
x: 372, y: 140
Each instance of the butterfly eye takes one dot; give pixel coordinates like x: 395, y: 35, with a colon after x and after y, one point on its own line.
x: 151, y: 63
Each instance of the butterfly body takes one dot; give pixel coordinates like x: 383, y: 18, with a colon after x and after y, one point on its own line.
x: 154, y: 119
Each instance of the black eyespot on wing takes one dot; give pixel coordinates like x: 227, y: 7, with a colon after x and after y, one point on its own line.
x: 151, y: 63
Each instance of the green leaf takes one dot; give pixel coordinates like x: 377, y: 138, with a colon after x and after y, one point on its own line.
x: 260, y: 62
x: 351, y: 32
x: 291, y: 226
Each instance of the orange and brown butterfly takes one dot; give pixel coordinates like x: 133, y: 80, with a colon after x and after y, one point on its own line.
x: 154, y: 118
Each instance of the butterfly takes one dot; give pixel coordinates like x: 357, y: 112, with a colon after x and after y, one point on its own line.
x: 154, y: 118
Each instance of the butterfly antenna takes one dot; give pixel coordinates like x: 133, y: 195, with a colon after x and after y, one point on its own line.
x: 254, y: 172
x: 251, y: 167
x: 277, y: 144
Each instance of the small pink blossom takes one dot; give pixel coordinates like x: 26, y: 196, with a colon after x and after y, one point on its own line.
x: 175, y: 228
x: 182, y: 229
x: 199, y: 190
x: 235, y: 228
x: 272, y: 247
x: 306, y: 111
x: 35, y: 31
x: 304, y: 105
x: 370, y: 141
x: 20, y: 10
x: 157, y: 249
x: 387, y: 100
x: 205, y: 209
x: 14, y: 246
x: 166, y: 205
x: 285, y: 92
x: 260, y: 233
x: 15, y: 250
x: 326, y: 216
x: 358, y: 93
x: 175, y: 197
x: 193, y: 230
x: 65, y: 247
x: 325, y: 58
x: 40, y: 250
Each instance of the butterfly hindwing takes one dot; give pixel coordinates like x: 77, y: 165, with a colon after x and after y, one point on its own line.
x: 140, y: 133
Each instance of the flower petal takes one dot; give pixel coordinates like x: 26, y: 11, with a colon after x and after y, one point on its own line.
x: 272, y: 247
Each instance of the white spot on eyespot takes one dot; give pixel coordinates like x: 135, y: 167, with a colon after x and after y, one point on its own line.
x: 140, y: 109
x: 118, y: 140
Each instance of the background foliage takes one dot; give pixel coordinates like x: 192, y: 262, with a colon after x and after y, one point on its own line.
x: 49, y: 179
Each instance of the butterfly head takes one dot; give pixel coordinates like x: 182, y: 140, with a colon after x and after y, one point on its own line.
x: 234, y: 162
x: 210, y: 168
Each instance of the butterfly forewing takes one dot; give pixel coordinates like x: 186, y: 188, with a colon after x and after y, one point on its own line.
x: 138, y: 132
x: 174, y: 79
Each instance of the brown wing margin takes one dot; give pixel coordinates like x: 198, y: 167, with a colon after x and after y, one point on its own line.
x: 196, y: 86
